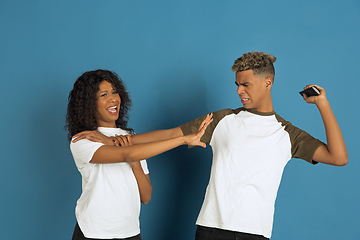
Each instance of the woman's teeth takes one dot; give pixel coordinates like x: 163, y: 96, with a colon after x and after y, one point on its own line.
x: 112, y: 109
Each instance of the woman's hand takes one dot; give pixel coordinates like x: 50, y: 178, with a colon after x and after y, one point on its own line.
x: 194, y: 138
x: 94, y: 136
x: 124, y: 141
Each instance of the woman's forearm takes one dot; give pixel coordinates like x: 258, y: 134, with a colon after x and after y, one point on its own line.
x: 113, y: 154
x: 143, y: 181
x: 157, y: 135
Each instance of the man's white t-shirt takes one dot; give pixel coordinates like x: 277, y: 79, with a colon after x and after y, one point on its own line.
x: 250, y: 151
x: 109, y: 205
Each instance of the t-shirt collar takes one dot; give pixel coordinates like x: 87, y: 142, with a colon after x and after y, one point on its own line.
x: 260, y: 113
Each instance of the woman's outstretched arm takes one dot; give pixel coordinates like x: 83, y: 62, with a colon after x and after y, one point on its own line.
x: 114, y: 154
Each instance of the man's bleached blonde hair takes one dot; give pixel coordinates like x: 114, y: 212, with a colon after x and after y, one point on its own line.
x: 259, y: 62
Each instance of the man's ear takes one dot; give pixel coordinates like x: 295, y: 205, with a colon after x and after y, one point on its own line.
x: 269, y: 82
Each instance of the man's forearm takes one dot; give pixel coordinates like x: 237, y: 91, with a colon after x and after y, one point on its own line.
x: 335, y: 141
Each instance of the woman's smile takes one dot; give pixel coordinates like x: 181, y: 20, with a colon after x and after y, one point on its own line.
x: 108, y: 105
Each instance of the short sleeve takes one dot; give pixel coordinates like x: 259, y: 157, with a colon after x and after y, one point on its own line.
x: 303, y: 144
x: 83, y: 151
x: 193, y: 125
x: 144, y: 166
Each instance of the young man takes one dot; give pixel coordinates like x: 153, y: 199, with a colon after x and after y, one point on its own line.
x: 251, y: 146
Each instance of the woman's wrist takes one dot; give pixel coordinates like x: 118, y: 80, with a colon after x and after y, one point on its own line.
x: 186, y: 140
x: 110, y: 141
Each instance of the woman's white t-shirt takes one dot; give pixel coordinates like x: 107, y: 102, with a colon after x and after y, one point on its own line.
x: 109, y: 205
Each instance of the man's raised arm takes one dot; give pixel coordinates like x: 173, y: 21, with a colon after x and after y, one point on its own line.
x: 334, y: 153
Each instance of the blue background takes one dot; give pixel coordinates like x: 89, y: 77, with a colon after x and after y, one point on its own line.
x: 176, y: 58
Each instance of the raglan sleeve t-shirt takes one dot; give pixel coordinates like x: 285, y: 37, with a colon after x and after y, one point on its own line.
x: 250, y: 151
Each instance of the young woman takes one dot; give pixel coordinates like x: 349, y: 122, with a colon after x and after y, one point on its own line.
x: 115, y: 178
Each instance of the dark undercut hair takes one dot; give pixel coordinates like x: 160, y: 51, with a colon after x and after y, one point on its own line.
x: 259, y: 62
x: 82, y: 102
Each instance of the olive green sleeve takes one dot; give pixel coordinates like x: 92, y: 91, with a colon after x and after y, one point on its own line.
x: 193, y: 125
x: 303, y: 145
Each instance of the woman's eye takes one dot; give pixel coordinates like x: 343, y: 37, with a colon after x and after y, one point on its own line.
x: 103, y: 95
x: 115, y: 92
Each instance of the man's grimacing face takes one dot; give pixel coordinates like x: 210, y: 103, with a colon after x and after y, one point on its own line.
x: 253, y: 90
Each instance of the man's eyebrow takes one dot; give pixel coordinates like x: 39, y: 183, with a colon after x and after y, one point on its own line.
x: 241, y: 83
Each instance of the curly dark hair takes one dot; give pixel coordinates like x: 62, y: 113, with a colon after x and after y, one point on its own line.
x: 82, y: 104
x: 259, y: 62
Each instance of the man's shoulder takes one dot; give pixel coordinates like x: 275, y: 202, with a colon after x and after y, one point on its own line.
x: 221, y: 114
x: 228, y: 111
x: 293, y: 131
x: 282, y: 120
